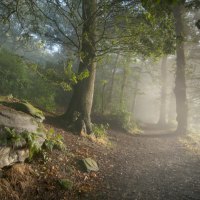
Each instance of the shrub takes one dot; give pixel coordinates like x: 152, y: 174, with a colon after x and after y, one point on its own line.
x: 122, y: 119
x: 11, y: 138
x: 14, y: 139
x: 100, y: 130
x: 54, y: 140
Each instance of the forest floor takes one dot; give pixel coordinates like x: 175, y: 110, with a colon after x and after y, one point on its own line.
x: 157, y: 164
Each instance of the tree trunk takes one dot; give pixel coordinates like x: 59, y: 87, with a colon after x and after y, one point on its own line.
x: 112, y: 81
x: 162, y: 117
x: 102, y: 98
x: 180, y: 82
x: 137, y: 79
x: 79, y: 110
x: 123, y: 87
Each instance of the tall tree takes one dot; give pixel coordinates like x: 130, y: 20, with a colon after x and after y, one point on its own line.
x: 124, y: 80
x: 176, y: 8
x: 112, y: 80
x: 162, y: 117
x: 180, y: 83
x: 80, y: 106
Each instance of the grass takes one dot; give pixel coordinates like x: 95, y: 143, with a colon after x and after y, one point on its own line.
x: 192, y: 142
x: 99, y: 135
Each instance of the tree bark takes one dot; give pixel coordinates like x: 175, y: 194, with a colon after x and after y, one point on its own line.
x: 124, y: 78
x: 112, y: 81
x: 135, y: 93
x: 162, y: 117
x: 79, y: 109
x: 180, y: 82
x: 102, y: 98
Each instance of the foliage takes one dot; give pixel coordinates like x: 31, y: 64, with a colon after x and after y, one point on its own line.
x: 12, y: 138
x: 13, y: 74
x: 122, y: 119
x: 99, y: 134
x: 100, y: 130
x: 54, y: 140
x: 23, y: 83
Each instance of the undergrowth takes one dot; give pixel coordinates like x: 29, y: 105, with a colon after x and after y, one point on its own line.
x: 121, y: 119
x: 54, y: 140
x: 10, y: 137
x: 191, y: 141
x: 100, y: 130
x: 100, y: 134
x: 124, y: 119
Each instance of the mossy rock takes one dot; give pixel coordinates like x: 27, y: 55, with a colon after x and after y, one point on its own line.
x: 17, y: 129
x: 23, y: 106
x: 88, y: 164
x: 66, y: 184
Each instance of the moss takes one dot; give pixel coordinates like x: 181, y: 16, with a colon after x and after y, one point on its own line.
x: 66, y: 184
x: 6, y: 98
x: 23, y: 106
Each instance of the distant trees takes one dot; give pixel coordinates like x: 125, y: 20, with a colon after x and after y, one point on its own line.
x: 20, y: 81
x: 162, y: 116
x: 176, y: 8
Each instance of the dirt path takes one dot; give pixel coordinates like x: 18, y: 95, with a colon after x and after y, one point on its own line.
x: 154, y: 165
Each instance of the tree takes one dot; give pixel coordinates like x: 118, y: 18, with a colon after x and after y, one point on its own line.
x: 176, y: 8
x: 180, y: 83
x: 162, y: 117
x: 81, y: 102
x: 112, y: 80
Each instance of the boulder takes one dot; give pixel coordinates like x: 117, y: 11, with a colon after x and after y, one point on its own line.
x: 17, y: 127
x: 88, y: 164
x: 23, y: 106
x: 10, y: 156
x: 18, y: 120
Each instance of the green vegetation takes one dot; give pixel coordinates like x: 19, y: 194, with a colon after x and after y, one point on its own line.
x: 9, y: 137
x: 25, y: 139
x: 100, y: 131
x: 54, y: 140
x: 23, y: 83
x: 125, y: 121
x: 66, y: 184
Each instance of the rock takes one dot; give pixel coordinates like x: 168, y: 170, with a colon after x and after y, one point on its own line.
x: 25, y: 107
x: 15, y: 129
x: 18, y: 120
x: 10, y: 156
x: 89, y: 165
x: 66, y: 184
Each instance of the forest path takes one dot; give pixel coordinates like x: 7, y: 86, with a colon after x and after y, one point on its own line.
x: 153, y: 165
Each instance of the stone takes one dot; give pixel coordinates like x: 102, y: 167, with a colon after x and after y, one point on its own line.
x: 10, y: 156
x: 25, y: 107
x: 66, y: 184
x: 89, y: 165
x: 14, y: 125
x: 17, y: 120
